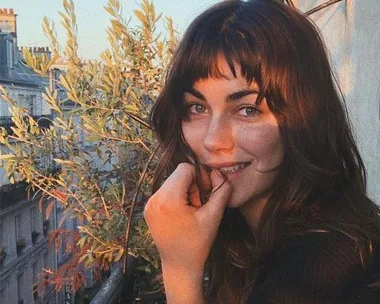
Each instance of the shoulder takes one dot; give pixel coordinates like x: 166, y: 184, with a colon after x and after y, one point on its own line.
x: 320, y: 267
x: 319, y: 254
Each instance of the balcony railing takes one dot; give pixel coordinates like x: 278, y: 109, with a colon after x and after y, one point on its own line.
x: 12, y: 193
x: 119, y: 288
x: 44, y: 121
x: 112, y: 290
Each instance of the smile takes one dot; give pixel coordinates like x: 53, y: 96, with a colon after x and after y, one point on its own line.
x: 233, y: 169
x: 228, y: 169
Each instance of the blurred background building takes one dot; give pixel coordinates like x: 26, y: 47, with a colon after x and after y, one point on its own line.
x: 24, y: 227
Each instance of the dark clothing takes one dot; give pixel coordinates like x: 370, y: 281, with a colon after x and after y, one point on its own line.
x: 317, y: 268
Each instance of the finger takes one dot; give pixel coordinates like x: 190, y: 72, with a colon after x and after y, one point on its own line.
x: 205, y: 184
x: 178, y: 184
x: 205, y: 179
x: 220, y: 194
x: 194, y: 196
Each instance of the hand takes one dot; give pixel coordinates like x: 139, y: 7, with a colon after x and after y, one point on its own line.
x: 184, y: 234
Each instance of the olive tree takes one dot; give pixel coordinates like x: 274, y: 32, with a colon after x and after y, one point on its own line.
x: 102, y: 145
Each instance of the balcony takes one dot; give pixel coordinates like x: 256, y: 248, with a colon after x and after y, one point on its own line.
x: 44, y: 121
x: 120, y: 288
x: 12, y: 193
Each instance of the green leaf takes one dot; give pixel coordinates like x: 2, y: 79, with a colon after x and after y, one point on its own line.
x: 6, y: 156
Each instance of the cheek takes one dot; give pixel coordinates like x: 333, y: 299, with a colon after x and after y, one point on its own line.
x: 264, y: 143
x: 193, y: 135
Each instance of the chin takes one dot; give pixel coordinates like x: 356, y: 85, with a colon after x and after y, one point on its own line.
x: 235, y: 202
x: 249, y: 201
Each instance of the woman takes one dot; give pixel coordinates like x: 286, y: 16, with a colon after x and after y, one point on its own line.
x: 265, y: 194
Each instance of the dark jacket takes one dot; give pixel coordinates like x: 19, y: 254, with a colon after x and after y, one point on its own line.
x: 318, y: 268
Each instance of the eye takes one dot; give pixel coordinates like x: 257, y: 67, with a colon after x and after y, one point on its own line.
x: 248, y: 111
x: 197, y: 109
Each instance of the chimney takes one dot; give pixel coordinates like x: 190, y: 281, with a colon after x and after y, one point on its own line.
x: 8, y: 22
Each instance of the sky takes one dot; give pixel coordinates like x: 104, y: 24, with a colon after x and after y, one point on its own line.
x: 92, y: 19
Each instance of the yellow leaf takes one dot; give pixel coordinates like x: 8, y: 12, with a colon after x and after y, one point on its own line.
x: 141, y: 16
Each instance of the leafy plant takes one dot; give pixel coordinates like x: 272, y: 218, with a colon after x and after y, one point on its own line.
x: 103, y: 145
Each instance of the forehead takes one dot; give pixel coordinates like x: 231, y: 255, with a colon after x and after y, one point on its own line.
x: 223, y: 69
x: 222, y: 76
x: 222, y: 87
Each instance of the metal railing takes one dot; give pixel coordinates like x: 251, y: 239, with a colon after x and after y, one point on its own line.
x: 113, y: 288
x: 12, y: 193
x: 121, y: 289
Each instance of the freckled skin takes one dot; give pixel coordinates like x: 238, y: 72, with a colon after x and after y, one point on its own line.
x: 221, y: 131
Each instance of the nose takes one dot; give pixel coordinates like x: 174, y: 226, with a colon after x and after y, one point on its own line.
x: 219, y: 135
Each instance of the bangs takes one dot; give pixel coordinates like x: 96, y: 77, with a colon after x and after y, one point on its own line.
x: 200, y: 58
x: 247, y: 38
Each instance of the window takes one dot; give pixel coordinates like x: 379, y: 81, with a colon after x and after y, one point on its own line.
x: 10, y: 54
x: 20, y: 241
x: 33, y: 219
x: 46, y: 260
x: 21, y: 100
x: 2, y: 239
x: 35, y: 272
x: 46, y: 266
x: 35, y: 281
x: 31, y: 104
x: 28, y: 102
x: 3, y: 251
x: 34, y: 224
x: 18, y: 227
x: 20, y: 289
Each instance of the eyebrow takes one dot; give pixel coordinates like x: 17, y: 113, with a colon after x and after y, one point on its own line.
x: 230, y: 98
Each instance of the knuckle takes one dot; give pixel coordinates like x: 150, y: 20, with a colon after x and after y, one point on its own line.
x: 154, y: 207
x: 146, y: 211
x: 148, y: 207
x: 184, y: 167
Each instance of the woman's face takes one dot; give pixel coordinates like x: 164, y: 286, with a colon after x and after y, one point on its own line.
x: 228, y: 131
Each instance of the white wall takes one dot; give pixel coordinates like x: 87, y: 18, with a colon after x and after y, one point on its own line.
x: 352, y: 34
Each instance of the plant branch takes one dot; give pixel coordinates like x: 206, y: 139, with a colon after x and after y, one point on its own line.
x: 102, y: 198
x: 133, y: 205
x: 321, y: 6
x: 26, y: 142
x: 93, y: 236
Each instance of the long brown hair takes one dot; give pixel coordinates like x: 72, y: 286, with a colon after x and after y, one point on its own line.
x: 322, y: 184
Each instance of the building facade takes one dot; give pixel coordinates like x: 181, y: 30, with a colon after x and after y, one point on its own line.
x: 24, y: 227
